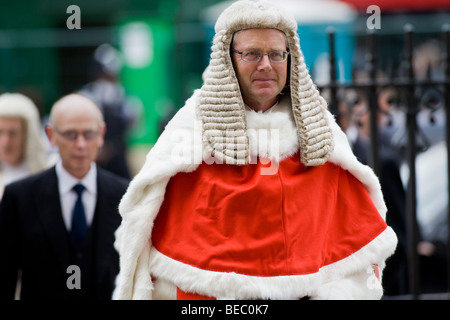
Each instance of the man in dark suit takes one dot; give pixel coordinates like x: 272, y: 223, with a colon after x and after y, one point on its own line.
x: 58, y: 237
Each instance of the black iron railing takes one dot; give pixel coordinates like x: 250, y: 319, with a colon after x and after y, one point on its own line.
x: 408, y: 85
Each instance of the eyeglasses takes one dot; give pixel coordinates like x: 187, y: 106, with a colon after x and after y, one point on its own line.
x: 72, y: 135
x: 255, y: 55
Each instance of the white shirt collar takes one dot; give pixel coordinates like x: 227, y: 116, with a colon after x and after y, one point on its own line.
x: 66, y: 181
x: 267, y: 111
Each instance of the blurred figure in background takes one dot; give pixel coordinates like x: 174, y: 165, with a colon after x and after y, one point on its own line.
x: 22, y: 147
x: 65, y: 216
x: 431, y: 170
x: 107, y: 92
x: 358, y: 132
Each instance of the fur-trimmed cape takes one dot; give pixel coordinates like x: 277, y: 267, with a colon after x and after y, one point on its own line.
x: 179, y: 149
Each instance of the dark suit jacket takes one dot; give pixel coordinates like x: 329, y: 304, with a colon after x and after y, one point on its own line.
x: 34, y: 239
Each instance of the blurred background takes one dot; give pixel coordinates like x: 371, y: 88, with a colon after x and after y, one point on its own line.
x: 145, y: 58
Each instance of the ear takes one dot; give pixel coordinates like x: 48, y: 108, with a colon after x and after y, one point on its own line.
x: 50, y: 134
x: 102, y: 135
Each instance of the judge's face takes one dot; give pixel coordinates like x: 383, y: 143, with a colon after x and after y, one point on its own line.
x: 260, y: 82
x: 12, y: 140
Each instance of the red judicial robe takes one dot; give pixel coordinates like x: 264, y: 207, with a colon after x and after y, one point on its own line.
x: 233, y: 219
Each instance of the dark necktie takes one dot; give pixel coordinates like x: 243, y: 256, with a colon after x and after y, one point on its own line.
x: 79, y: 225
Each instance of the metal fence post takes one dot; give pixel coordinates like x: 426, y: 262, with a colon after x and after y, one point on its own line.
x: 372, y: 101
x: 411, y: 205
x: 332, y: 60
x: 446, y: 41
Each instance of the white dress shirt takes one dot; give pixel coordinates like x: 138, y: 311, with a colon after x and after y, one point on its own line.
x: 68, y: 197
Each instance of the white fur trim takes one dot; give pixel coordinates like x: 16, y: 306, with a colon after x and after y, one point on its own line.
x: 343, y: 156
x: 272, y: 134
x: 164, y: 290
x: 222, y: 285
